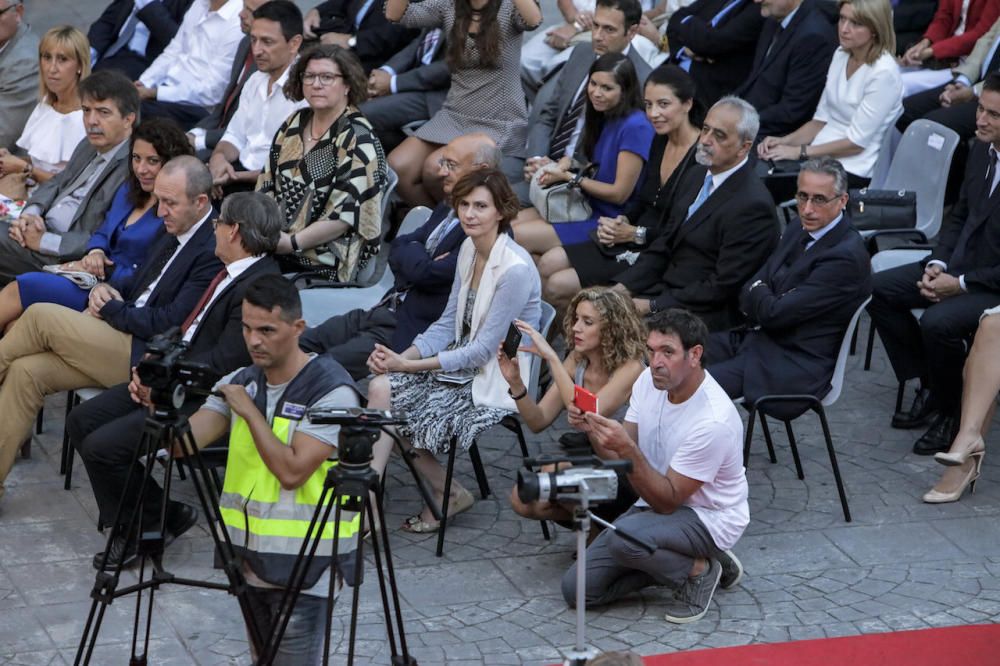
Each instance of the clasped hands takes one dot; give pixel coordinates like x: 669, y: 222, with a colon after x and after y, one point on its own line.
x: 383, y: 360
x: 11, y: 164
x: 775, y: 148
x: 100, y: 296
x: 935, y: 285
x: 27, y: 231
x: 614, y: 230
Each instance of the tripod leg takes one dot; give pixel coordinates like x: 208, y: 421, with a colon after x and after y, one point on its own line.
x: 393, y: 588
x: 447, y: 496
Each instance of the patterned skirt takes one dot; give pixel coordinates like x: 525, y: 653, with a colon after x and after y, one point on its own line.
x: 437, y: 411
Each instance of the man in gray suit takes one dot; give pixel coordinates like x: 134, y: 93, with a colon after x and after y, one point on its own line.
x: 59, y: 219
x: 410, y: 86
x: 18, y: 72
x: 557, y: 117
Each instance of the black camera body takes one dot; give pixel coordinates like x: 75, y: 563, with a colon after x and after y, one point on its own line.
x: 360, y: 427
x: 590, y: 480
x: 168, y: 375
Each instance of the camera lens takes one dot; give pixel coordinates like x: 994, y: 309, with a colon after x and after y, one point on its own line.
x: 527, y: 486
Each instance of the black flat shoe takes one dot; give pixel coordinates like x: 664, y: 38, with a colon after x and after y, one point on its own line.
x: 117, y: 553
x: 920, y: 413
x: 938, y: 436
x: 182, y: 518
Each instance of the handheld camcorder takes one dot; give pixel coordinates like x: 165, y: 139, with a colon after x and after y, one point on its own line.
x: 361, y: 428
x: 590, y: 479
x: 168, y: 375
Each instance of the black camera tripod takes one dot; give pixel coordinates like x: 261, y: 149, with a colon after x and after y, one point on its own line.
x: 163, y: 428
x: 349, y: 485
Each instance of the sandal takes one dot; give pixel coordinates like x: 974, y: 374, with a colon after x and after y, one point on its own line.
x: 418, y: 525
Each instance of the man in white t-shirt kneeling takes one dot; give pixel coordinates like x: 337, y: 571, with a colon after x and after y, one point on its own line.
x: 683, y: 436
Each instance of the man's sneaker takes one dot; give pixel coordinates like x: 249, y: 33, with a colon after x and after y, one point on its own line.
x: 692, y: 600
x: 732, y: 569
x: 116, y: 553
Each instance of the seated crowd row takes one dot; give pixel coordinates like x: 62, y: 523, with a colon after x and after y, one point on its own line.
x: 683, y: 229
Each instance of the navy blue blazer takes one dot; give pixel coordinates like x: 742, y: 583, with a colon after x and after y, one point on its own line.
x: 177, y: 292
x: 803, y: 310
x: 426, y: 280
x: 785, y: 85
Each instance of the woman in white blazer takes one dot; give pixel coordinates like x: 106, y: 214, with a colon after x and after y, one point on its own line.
x: 448, y: 382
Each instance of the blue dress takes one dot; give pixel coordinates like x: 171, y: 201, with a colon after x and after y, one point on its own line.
x: 126, y: 246
x: 632, y: 133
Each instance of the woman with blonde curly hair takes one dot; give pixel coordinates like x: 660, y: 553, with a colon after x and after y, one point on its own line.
x: 605, y: 345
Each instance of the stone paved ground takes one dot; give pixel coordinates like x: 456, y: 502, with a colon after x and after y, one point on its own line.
x: 494, y: 598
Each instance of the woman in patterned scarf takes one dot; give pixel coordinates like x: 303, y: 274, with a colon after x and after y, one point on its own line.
x: 326, y: 169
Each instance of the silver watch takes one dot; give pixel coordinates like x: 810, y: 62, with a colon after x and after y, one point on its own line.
x: 352, y: 42
x: 640, y: 235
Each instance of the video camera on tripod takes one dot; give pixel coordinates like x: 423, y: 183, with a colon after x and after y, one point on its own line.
x: 168, y: 375
x: 590, y: 478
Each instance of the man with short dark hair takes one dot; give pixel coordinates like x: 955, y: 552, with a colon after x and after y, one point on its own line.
x: 18, y: 72
x: 953, y: 286
x: 684, y: 438
x: 721, y: 228
x: 800, y: 302
x: 275, y: 37
x: 60, y: 216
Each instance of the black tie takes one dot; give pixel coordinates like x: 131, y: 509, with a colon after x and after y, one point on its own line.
x: 774, y: 40
x: 567, y: 125
x: 156, y: 265
x: 991, y: 171
x: 994, y: 62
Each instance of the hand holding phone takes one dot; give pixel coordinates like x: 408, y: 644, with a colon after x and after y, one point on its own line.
x: 585, y: 400
x: 512, y: 342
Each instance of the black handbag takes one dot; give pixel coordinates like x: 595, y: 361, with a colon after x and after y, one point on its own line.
x: 883, y: 209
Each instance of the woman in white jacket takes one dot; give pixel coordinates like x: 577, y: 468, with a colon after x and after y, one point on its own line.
x: 448, y: 382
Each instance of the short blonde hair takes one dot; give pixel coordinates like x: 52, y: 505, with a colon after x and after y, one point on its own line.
x: 74, y: 43
x: 876, y: 15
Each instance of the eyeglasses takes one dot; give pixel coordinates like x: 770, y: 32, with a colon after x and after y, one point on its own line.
x: 324, y: 78
x: 816, y: 199
x: 9, y: 7
x: 448, y: 165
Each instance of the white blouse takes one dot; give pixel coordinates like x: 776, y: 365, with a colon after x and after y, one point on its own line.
x: 50, y: 137
x: 860, y: 109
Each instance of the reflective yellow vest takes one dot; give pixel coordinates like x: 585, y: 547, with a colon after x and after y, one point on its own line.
x: 267, y: 524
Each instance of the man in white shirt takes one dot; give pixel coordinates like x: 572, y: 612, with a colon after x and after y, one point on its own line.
x: 275, y: 38
x: 683, y: 437
x: 191, y: 73
x: 130, y: 34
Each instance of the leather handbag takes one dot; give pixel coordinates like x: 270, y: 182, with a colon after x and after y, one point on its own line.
x: 562, y: 202
x: 883, y: 209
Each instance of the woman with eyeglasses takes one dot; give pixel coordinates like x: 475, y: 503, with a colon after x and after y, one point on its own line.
x: 119, y: 246
x: 861, y: 101
x: 55, y: 126
x: 326, y: 169
x: 483, y: 41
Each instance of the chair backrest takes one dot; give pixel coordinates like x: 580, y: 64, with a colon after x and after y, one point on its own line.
x: 880, y: 170
x: 414, y: 219
x: 921, y: 164
x: 548, y: 316
x: 886, y: 259
x: 372, y: 271
x: 837, y: 382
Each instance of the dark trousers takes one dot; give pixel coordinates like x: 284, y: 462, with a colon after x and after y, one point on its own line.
x: 350, y: 338
x: 184, y: 114
x: 129, y: 63
x: 933, y: 349
x: 106, y: 432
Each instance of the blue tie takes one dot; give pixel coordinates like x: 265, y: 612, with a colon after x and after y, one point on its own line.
x: 703, y: 194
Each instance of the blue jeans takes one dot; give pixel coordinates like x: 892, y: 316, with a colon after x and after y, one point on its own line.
x: 302, y: 644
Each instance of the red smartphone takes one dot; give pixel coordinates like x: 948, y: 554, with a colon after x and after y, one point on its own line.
x: 585, y: 400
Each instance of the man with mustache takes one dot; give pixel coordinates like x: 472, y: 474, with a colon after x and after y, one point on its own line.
x: 62, y: 214
x: 720, y: 229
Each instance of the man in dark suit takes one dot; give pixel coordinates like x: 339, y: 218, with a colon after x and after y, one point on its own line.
x: 789, y: 67
x: 715, y: 40
x: 556, y: 121
x: 800, y: 302
x: 410, y: 86
x: 959, y: 280
x: 359, y: 25
x: 722, y: 227
x: 106, y: 429
x: 205, y: 136
x: 54, y: 348
x: 129, y: 34
x: 61, y: 215
x: 423, y: 265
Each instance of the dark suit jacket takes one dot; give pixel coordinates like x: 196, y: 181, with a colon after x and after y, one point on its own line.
x: 726, y: 50
x: 377, y: 37
x: 218, y: 340
x: 427, y: 282
x: 701, y: 264
x: 412, y: 75
x: 556, y: 96
x: 785, y: 86
x: 163, y: 18
x: 802, y: 310
x: 969, y: 242
x: 215, y: 123
x: 93, y: 208
x: 175, y: 295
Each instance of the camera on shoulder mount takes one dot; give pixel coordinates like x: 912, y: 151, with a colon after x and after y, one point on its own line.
x: 590, y: 479
x: 168, y: 375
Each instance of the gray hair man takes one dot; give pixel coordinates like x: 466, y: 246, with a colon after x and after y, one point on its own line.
x: 18, y: 71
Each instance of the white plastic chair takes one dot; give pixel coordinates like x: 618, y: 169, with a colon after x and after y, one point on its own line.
x: 815, y: 404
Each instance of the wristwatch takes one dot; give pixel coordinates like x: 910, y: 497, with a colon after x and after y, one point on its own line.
x: 803, y: 154
x: 640, y: 235
x: 755, y: 285
x: 352, y: 42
